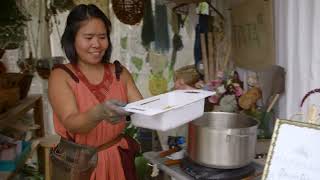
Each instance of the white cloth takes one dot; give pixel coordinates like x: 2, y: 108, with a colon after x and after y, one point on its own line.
x: 297, y: 29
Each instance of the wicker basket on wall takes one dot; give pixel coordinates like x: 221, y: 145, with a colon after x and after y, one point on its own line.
x: 188, y: 73
x: 9, y: 98
x: 186, y: 1
x: 10, y: 80
x: 128, y: 11
x: 16, y: 80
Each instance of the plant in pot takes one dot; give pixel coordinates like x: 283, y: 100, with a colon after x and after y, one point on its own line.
x: 13, y: 20
x: 12, y: 23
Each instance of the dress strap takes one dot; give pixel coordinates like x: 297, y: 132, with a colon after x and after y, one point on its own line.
x: 118, y: 69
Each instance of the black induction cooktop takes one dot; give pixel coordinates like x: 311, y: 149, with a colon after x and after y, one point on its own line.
x: 205, y: 173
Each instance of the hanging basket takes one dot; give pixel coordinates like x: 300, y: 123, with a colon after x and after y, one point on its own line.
x: 179, y: 3
x: 128, y: 11
x: 16, y: 80
x: 317, y: 90
x: 188, y: 73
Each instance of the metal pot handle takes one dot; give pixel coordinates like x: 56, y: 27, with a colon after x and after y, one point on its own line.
x: 239, y: 135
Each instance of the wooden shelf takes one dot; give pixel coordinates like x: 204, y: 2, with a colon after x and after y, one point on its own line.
x: 24, y: 105
x: 7, y: 118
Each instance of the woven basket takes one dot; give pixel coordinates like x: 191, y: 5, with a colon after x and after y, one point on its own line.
x: 16, y: 80
x: 10, y: 80
x: 317, y: 90
x: 128, y: 11
x: 188, y: 73
x: 185, y: 1
x: 10, y: 96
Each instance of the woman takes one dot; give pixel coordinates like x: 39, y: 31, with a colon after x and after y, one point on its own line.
x: 82, y: 93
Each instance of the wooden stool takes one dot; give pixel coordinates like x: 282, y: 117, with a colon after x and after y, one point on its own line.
x: 48, y: 142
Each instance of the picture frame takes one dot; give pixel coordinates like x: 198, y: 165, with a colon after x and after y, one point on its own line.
x: 293, y: 152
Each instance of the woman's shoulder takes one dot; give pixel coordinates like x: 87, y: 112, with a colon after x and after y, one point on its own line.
x: 60, y: 72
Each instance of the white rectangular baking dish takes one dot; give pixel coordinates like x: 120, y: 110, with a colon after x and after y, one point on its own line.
x: 169, y: 110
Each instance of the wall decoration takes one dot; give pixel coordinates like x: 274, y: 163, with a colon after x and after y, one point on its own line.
x: 124, y: 42
x: 252, y: 34
x: 294, y: 152
x: 158, y: 62
x: 157, y: 84
x: 128, y: 11
x: 162, y: 40
x: 138, y: 62
x: 147, y: 32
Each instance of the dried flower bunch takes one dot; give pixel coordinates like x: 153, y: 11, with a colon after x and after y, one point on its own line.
x: 228, y: 88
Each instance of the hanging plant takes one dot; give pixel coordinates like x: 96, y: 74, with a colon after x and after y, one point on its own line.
x: 61, y: 5
x: 128, y: 11
x: 13, y: 19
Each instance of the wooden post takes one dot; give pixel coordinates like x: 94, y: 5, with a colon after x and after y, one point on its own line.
x: 38, y: 119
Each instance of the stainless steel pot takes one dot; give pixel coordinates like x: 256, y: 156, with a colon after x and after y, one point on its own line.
x: 222, y: 140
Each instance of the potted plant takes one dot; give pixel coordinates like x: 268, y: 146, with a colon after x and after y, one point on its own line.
x: 12, y: 22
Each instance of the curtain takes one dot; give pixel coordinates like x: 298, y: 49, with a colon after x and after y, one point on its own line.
x: 297, y: 29
x: 37, y: 43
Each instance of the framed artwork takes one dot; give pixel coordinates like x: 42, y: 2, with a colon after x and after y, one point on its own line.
x: 294, y: 152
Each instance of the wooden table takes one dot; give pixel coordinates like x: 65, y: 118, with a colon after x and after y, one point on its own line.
x: 7, y: 118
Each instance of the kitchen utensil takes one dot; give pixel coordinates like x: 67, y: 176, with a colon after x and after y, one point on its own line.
x: 277, y: 88
x: 169, y: 151
x: 171, y: 162
x: 222, y: 140
x: 272, y: 81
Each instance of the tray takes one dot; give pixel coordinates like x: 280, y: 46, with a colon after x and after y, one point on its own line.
x: 169, y: 110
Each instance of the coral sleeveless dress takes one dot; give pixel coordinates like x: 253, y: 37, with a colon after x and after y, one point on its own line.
x: 109, y: 165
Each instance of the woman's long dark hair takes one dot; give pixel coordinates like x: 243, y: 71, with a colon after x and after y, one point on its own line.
x: 77, y: 15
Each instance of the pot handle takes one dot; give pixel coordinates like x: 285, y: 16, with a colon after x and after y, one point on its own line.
x: 240, y: 135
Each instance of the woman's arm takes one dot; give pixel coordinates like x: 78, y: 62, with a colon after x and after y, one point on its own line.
x: 133, y: 92
x: 64, y: 104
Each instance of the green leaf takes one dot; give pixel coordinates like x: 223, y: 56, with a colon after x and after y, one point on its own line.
x: 142, y: 167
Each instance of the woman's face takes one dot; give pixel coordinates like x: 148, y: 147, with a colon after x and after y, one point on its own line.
x: 91, y: 41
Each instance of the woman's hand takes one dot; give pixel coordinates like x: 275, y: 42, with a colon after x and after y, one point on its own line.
x: 114, y: 110
x: 111, y: 110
